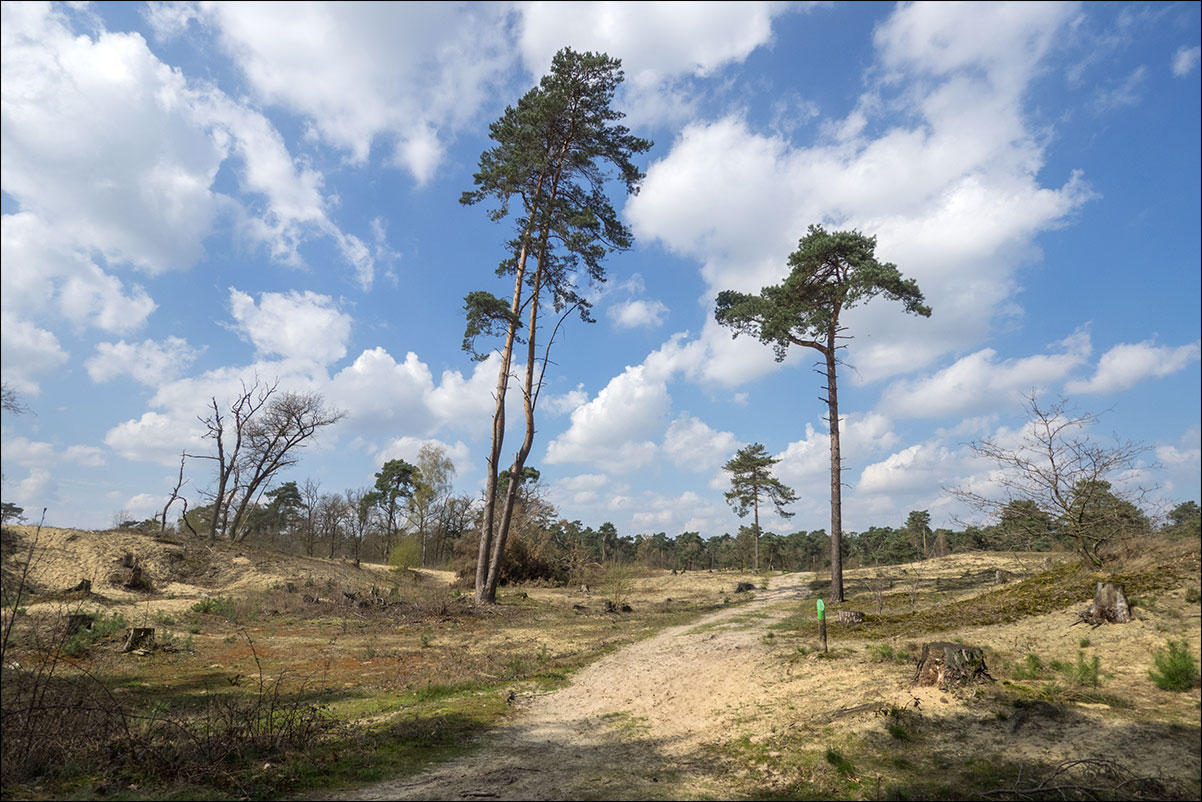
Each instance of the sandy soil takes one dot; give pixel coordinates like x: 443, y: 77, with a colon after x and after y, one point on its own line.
x: 640, y: 723
x: 179, y: 572
x: 630, y: 719
x: 636, y: 724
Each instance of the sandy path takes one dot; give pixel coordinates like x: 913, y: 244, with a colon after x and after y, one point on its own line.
x: 631, y: 725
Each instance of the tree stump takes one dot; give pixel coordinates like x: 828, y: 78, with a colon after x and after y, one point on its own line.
x: 1110, y: 605
x: 135, y: 637
x: 949, y: 665
x: 84, y: 585
x: 743, y: 587
x: 850, y: 617
x: 78, y: 621
x: 137, y: 580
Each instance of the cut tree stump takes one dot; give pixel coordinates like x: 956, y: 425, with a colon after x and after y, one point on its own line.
x: 78, y: 621
x: 136, y: 637
x: 1110, y: 605
x: 949, y: 665
x: 137, y: 580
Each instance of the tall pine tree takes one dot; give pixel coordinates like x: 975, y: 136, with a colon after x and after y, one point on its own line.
x: 555, y: 152
x: 829, y: 274
x: 751, y: 481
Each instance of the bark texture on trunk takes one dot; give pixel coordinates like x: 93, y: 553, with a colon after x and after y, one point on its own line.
x: 1110, y: 606
x: 836, y: 478
x: 488, y: 518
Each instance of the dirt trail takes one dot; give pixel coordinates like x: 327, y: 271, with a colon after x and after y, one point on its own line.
x: 632, y: 725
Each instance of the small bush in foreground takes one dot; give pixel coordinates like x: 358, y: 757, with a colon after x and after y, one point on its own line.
x: 1175, y: 668
x: 216, y: 605
x: 78, y: 643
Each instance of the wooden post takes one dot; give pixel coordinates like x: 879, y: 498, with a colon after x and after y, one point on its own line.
x: 822, y: 623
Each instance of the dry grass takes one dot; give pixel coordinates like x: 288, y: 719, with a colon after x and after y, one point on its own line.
x: 419, y: 672
x: 424, y: 672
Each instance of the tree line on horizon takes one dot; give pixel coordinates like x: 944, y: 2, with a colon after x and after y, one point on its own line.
x: 440, y: 530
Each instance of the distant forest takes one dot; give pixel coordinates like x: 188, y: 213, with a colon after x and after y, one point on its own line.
x: 442, y: 530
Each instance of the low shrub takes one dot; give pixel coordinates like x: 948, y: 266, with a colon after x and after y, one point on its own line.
x: 78, y: 644
x: 1175, y: 668
x: 222, y: 606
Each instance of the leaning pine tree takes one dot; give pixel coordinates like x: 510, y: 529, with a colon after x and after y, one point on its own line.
x: 554, y: 153
x: 829, y: 274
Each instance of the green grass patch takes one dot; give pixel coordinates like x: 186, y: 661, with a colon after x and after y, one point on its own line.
x: 222, y: 606
x: 885, y: 653
x: 103, y: 626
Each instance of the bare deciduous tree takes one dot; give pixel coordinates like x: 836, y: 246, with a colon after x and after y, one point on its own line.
x: 258, y: 437
x: 1057, y: 469
x: 311, y: 495
x: 360, y: 505
x: 330, y: 513
x: 174, y: 496
x: 11, y: 401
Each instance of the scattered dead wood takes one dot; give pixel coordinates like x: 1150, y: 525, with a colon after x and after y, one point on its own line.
x: 842, y: 712
x: 949, y: 665
x: 1110, y: 606
x: 850, y: 617
x: 1089, y: 779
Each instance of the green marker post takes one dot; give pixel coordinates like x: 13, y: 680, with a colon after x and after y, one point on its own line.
x: 822, y: 623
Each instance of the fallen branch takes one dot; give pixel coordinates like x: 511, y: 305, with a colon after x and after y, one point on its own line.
x: 1088, y: 779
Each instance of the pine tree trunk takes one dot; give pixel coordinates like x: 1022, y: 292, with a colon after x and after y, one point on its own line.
x: 519, y: 459
x: 836, y: 478
x: 755, y: 538
x: 488, y: 518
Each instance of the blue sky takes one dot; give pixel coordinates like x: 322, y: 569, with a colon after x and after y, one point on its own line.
x: 195, y: 194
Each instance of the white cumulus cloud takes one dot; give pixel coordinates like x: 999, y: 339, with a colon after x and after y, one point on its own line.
x: 615, y: 429
x: 1127, y: 364
x: 980, y: 382
x: 693, y: 445
x: 661, y: 44
x: 304, y: 326
x: 953, y: 194
x: 638, y: 313
x: 149, y: 362
x: 408, y: 74
x: 118, y: 153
